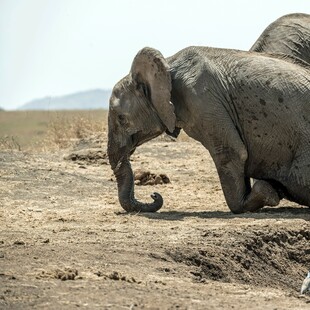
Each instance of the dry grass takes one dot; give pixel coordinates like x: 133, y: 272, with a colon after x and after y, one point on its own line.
x: 63, y: 131
x: 48, y: 130
x: 54, y: 130
x: 9, y: 143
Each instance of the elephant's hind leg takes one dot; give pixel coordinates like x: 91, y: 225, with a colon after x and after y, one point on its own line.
x: 262, y: 194
x: 230, y: 156
x: 239, y: 195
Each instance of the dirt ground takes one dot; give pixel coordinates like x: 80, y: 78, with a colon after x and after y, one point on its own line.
x: 65, y: 242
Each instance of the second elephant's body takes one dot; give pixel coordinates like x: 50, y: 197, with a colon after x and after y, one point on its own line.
x: 289, y: 35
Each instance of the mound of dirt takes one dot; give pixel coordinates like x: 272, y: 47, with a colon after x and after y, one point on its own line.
x: 61, y: 274
x: 89, y: 151
x: 148, y: 178
x: 88, y: 156
x: 271, y: 257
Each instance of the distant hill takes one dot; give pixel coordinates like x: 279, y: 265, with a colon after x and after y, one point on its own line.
x: 86, y: 100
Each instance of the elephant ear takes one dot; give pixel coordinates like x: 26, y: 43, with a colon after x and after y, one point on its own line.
x: 150, y: 67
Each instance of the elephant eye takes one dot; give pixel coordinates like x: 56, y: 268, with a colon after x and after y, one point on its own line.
x: 122, y: 119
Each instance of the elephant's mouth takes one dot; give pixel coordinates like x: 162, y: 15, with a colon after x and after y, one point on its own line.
x: 135, y: 141
x: 140, y: 138
x: 124, y: 153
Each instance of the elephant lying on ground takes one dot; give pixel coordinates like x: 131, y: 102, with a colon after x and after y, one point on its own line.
x: 250, y: 110
x: 289, y: 35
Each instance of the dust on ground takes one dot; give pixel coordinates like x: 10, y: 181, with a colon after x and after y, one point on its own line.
x: 66, y: 243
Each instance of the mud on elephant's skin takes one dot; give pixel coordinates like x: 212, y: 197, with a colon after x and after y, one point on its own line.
x: 288, y: 35
x: 250, y: 110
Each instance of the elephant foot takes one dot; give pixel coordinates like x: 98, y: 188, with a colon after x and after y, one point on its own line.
x: 262, y: 194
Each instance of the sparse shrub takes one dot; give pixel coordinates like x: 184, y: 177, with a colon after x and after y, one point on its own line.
x: 9, y: 143
x: 65, y: 131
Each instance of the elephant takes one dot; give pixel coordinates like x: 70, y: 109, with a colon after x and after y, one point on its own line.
x: 289, y: 35
x: 251, y: 111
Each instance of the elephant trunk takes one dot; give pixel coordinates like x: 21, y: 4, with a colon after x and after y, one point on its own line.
x: 125, y: 184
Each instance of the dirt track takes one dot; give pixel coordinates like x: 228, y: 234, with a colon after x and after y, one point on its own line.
x: 65, y: 242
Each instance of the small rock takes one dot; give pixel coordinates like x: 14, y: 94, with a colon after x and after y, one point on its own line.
x: 67, y: 274
x: 19, y: 242
x: 114, y: 276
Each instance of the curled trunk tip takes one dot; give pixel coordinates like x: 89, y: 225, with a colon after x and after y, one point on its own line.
x: 136, y: 206
x: 125, y: 184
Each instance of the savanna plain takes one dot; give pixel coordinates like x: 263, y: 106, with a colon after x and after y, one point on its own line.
x: 65, y: 242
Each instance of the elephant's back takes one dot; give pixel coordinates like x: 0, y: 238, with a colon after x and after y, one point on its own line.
x: 290, y: 35
x: 272, y: 72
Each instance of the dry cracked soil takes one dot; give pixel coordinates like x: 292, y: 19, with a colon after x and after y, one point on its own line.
x: 65, y: 242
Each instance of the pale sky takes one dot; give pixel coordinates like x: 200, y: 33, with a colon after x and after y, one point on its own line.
x: 57, y: 47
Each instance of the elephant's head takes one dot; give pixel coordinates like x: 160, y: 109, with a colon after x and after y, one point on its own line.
x: 140, y: 109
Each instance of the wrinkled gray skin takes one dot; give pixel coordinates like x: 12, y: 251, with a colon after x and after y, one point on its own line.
x: 250, y: 110
x: 289, y: 35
